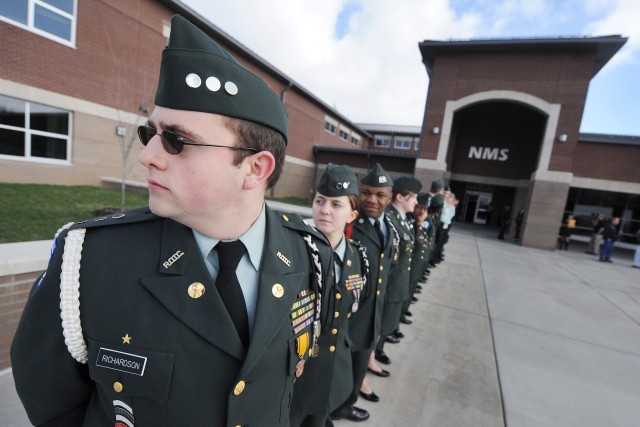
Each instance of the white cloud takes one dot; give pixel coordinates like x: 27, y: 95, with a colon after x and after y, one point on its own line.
x: 374, y: 74
x: 622, y: 18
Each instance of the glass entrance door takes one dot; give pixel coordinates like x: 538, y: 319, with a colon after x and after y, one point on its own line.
x: 480, y: 216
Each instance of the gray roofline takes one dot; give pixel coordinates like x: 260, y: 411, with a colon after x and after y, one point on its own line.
x: 604, y: 47
x: 609, y: 139
x: 203, y: 23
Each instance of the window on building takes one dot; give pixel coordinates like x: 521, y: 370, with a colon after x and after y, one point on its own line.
x: 383, y: 141
x: 54, y: 19
x: 402, y: 143
x: 33, y: 131
x: 330, y: 125
x: 344, y: 135
x: 355, y: 140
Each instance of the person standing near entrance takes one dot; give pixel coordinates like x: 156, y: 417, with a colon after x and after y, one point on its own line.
x: 504, y: 220
x: 185, y: 313
x: 609, y: 238
x: 519, y: 220
x: 596, y: 235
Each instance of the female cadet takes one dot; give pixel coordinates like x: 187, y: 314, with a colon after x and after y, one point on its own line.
x: 327, y: 380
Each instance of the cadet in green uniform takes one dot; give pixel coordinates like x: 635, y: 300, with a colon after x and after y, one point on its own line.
x: 327, y: 379
x: 375, y: 232
x: 405, y: 191
x: 419, y: 259
x: 144, y: 318
x: 435, y: 210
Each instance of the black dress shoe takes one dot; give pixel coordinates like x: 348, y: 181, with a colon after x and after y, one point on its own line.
x: 398, y: 334
x: 391, y: 339
x: 418, y: 291
x: 408, y: 313
x: 352, y: 414
x: 414, y: 299
x: 371, y: 397
x: 383, y: 358
x: 383, y: 372
x: 405, y: 321
x: 419, y: 287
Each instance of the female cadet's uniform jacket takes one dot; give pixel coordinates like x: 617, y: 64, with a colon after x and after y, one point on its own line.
x: 398, y: 281
x: 364, y: 325
x: 419, y: 259
x: 161, y: 348
x: 327, y: 380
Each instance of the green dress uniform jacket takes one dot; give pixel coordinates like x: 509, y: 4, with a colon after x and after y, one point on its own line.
x: 364, y: 325
x: 398, y: 282
x: 161, y: 348
x: 419, y: 260
x: 327, y: 378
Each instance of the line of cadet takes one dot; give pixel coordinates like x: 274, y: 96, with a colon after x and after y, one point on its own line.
x: 208, y: 308
x: 400, y: 233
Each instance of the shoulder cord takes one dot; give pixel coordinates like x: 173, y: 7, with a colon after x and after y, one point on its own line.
x: 70, y: 295
x: 314, y: 253
x: 364, y: 268
x: 396, y: 240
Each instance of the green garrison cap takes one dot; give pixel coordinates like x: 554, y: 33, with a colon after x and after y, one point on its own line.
x: 437, y: 185
x: 423, y: 199
x: 338, y: 180
x: 377, y: 177
x: 408, y: 183
x: 437, y: 201
x: 196, y: 74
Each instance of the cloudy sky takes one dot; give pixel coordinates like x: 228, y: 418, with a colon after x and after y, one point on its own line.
x: 362, y: 58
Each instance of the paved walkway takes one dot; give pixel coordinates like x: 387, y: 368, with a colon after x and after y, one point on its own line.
x: 505, y: 336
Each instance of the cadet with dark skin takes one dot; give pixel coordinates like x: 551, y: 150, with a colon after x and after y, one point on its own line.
x: 364, y: 325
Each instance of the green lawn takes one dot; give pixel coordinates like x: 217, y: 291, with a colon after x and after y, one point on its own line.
x: 35, y: 212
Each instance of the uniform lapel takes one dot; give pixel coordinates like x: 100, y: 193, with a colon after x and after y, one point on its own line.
x: 366, y: 228
x: 273, y: 312
x: 181, y: 265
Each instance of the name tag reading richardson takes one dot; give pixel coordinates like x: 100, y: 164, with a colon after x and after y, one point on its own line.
x: 120, y: 361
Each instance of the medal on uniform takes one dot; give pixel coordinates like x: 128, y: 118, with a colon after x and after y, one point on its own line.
x: 354, y: 307
x: 302, y: 344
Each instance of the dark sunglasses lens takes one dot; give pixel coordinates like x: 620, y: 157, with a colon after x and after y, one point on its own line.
x: 145, y: 134
x: 170, y: 142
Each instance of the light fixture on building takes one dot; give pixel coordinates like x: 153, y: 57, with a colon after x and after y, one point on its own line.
x: 562, y: 137
x: 121, y: 131
x: 436, y: 130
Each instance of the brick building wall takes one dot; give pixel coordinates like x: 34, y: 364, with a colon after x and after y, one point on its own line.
x: 554, y: 77
x: 615, y: 162
x: 14, y: 289
x: 112, y: 72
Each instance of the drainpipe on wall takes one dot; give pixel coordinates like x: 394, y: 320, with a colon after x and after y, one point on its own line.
x: 283, y: 97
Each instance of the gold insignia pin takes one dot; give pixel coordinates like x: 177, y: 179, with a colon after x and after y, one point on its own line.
x: 126, y: 339
x: 196, y: 290
x: 277, y: 290
x: 283, y: 259
x: 349, y: 263
x: 286, y: 218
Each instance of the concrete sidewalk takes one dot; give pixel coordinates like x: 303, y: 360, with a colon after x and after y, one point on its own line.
x: 505, y: 336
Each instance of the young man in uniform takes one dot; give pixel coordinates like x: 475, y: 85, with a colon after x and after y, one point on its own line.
x: 405, y: 192
x: 374, y: 231
x: 186, y: 313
